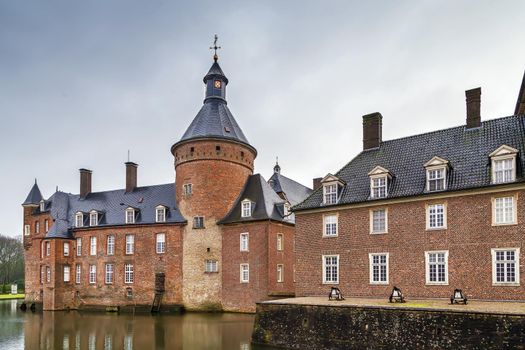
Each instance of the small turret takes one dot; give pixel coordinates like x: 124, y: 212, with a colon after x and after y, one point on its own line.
x: 34, y: 197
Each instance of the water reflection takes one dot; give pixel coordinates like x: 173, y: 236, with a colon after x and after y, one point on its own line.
x: 79, y: 331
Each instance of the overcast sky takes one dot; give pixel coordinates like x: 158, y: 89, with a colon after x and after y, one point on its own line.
x: 83, y: 82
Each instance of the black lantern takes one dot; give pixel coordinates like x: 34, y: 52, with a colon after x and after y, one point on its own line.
x: 458, y: 297
x: 396, y: 296
x: 335, y: 294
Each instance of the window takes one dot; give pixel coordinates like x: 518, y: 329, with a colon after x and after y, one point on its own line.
x: 280, y: 241
x: 244, y: 242
x: 280, y: 273
x: 503, y: 170
x: 161, y: 243
x: 42, y: 205
x: 37, y: 227
x: 246, y: 210
x: 48, y: 274
x: 378, y: 268
x: 130, y: 216
x: 42, y: 274
x: 27, y: 230
x: 128, y: 273
x: 79, y: 219
x: 160, y: 212
x: 66, y: 248
x: 505, y: 266
x: 378, y: 187
x: 93, y: 218
x: 330, y: 194
x: 109, y: 273
x: 378, y: 221
x: 110, y: 248
x: 330, y: 269
x: 67, y: 272
x: 92, y: 274
x: 245, y: 273
x: 211, y: 266
x: 79, y: 246
x: 436, y: 216
x: 78, y: 273
x: 330, y: 225
x: 436, y: 267
x: 48, y: 248
x: 436, y: 179
x: 93, y: 245
x: 286, y: 209
x: 187, y: 189
x: 198, y: 222
x: 46, y: 225
x: 130, y: 244
x: 504, y: 211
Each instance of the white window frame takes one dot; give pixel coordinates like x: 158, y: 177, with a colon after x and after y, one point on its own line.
x: 129, y: 274
x: 46, y: 225
x: 130, y: 215
x: 211, y: 266
x: 280, y: 273
x: 326, y: 218
x: 379, y: 265
x: 516, y: 282
x: 428, y: 210
x: 37, y: 227
x: 338, y: 271
x: 244, y: 268
x: 48, y: 274
x: 187, y: 189
x: 160, y: 213
x: 109, y: 273
x: 93, y: 245
x: 27, y: 230
x: 48, y: 248
x: 92, y: 274
x: 514, y: 221
x: 198, y: 222
x: 286, y: 209
x: 66, y: 248
x: 42, y: 206
x: 371, y: 214
x: 330, y: 193
x: 79, y: 246
x: 495, y: 171
x: 443, y: 178
x: 427, y: 268
x: 280, y: 242
x: 67, y: 273
x: 160, y: 243
x: 130, y: 244
x: 244, y: 242
x: 246, y: 208
x: 93, y: 218
x: 79, y: 219
x: 78, y: 273
x: 378, y: 187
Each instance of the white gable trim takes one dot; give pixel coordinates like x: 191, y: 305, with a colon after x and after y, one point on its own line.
x: 379, y: 171
x: 504, y: 151
x: 436, y: 162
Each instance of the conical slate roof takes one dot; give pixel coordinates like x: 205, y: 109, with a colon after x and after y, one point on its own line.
x: 34, y: 196
x: 215, y: 72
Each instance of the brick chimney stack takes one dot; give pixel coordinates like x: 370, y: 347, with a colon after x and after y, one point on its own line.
x: 85, y: 182
x: 473, y: 108
x: 131, y: 176
x: 317, y: 183
x: 372, y: 130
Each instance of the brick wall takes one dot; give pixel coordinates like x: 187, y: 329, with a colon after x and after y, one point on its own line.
x: 469, y: 238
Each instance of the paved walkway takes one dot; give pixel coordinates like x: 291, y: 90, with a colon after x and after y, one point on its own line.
x: 498, y: 307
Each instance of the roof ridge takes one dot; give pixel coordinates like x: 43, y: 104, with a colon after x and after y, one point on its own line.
x: 123, y: 189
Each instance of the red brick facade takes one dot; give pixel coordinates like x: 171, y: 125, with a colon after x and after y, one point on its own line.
x: 469, y: 237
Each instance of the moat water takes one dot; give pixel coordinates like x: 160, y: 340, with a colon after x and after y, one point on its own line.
x: 73, y: 330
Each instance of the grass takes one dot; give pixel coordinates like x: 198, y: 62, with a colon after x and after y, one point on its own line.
x: 11, y: 296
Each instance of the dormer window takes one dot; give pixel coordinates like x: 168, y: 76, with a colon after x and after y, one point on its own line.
x: 379, y: 177
x: 503, y: 164
x: 79, y: 219
x: 130, y: 216
x: 160, y: 214
x: 436, y: 174
x: 332, y: 187
x: 246, y: 208
x: 286, y: 209
x: 93, y: 218
x: 42, y: 205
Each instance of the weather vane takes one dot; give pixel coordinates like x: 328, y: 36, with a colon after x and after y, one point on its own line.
x: 215, y: 48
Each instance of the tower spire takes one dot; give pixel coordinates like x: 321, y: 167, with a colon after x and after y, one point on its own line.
x: 215, y: 48
x: 277, y: 167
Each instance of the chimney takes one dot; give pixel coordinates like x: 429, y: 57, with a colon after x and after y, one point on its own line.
x: 372, y: 130
x: 317, y: 183
x: 85, y: 182
x: 131, y: 176
x: 473, y: 108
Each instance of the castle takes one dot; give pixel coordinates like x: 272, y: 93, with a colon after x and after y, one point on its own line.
x: 218, y: 238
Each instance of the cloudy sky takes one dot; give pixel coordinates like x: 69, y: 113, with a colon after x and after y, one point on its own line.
x: 83, y: 82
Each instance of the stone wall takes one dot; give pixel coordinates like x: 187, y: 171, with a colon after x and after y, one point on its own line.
x: 347, y: 327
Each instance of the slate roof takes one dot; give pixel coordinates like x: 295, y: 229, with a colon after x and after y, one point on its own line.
x: 520, y: 103
x: 34, y: 196
x: 111, y: 206
x: 215, y: 71
x: 293, y: 191
x: 266, y: 204
x: 466, y: 150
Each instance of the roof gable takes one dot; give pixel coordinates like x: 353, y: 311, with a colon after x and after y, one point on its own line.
x: 436, y: 161
x: 503, y: 150
x: 379, y: 170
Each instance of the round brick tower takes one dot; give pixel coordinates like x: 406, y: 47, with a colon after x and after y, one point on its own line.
x: 213, y: 160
